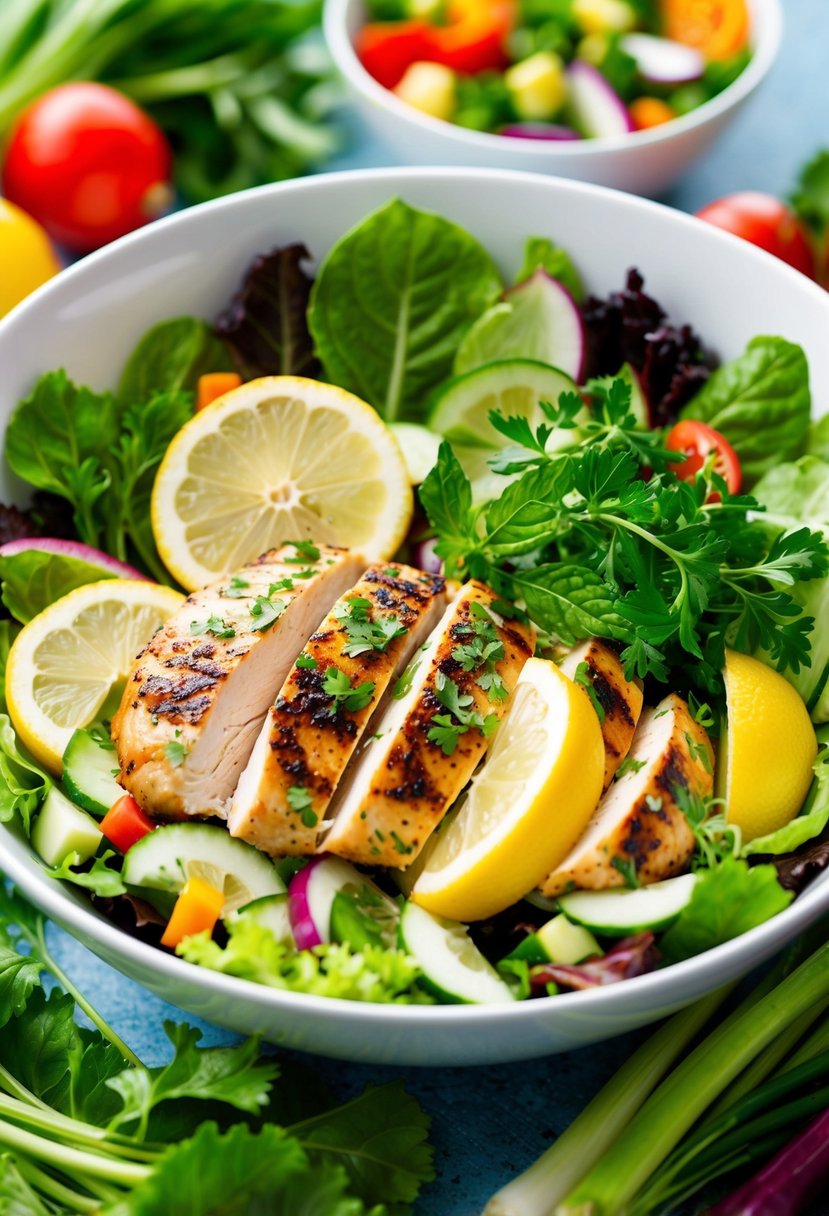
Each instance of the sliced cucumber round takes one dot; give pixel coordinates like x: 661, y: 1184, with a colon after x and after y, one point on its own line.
x: 271, y: 911
x: 167, y: 857
x: 617, y: 913
x: 451, y: 965
x: 89, y: 773
x: 513, y: 387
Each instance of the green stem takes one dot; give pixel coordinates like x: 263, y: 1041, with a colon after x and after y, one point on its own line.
x: 691, y: 1088
x: 73, y: 1161
x: 74, y: 1201
x: 14, y: 1089
x: 84, y: 1134
x: 185, y: 82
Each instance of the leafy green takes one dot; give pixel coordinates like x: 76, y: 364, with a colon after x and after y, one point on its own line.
x: 818, y: 442
x: 540, y: 253
x: 761, y: 402
x: 813, y: 816
x: 170, y: 358
x: 18, y: 976
x: 364, y: 633
x: 23, y: 785
x: 98, y: 877
x: 798, y: 490
x: 33, y: 579
x: 252, y: 952
x: 8, y: 632
x: 811, y: 196
x: 338, y: 687
x: 391, y: 303
x: 727, y: 901
x: 522, y: 325
x: 16, y: 1196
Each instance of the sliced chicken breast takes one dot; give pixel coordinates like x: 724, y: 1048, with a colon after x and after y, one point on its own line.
x: 310, y: 733
x: 638, y: 831
x: 199, y: 691
x: 429, y: 737
x: 596, y: 665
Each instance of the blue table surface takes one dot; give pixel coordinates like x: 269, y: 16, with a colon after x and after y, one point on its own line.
x: 491, y: 1122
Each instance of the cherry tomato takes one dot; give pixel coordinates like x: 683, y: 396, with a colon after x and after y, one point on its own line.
x: 718, y: 28
x: 697, y: 440
x: 88, y: 164
x: 765, y: 222
x: 26, y: 256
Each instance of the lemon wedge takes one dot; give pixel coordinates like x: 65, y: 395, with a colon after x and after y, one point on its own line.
x: 767, y: 750
x: 67, y: 667
x: 280, y: 458
x: 526, y: 807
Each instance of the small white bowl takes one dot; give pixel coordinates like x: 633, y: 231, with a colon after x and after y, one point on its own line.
x: 644, y: 162
x: 89, y: 318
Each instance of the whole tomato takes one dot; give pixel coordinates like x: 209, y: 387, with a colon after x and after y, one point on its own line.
x: 88, y: 164
x: 766, y: 222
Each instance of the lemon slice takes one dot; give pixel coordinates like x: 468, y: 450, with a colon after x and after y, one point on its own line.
x: 281, y: 458
x: 67, y: 667
x: 526, y: 807
x: 767, y: 750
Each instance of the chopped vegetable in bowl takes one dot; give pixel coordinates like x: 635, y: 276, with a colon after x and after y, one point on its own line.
x: 593, y: 744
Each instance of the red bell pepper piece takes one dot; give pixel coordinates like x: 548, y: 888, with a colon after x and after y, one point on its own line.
x: 125, y: 823
x: 387, y: 49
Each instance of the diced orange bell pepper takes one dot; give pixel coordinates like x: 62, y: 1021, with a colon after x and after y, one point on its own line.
x: 125, y: 823
x: 197, y: 909
x: 717, y: 28
x: 475, y: 38
x: 213, y: 385
x: 647, y: 112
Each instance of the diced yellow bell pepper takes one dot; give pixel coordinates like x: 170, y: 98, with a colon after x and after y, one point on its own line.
x: 430, y: 88
x: 537, y: 86
x: 604, y: 16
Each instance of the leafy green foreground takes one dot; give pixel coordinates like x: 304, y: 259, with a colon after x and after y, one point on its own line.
x: 84, y: 1130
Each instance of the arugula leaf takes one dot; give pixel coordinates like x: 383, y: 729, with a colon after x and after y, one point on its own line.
x: 391, y: 302
x: 19, y: 974
x: 761, y: 402
x: 169, y: 358
x: 233, y: 1075
x: 33, y: 579
x: 380, y: 1138
x: 540, y: 253
x: 726, y: 902
x: 266, y: 323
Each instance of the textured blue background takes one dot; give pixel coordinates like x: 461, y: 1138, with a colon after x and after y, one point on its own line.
x: 491, y: 1122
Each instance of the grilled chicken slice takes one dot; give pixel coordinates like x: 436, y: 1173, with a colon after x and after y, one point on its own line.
x: 199, y: 691
x: 596, y: 665
x: 638, y: 830
x: 309, y: 735
x: 430, y: 735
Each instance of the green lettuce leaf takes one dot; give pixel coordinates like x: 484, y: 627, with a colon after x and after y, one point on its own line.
x: 727, y: 901
x: 761, y: 402
x: 818, y: 441
x: 798, y: 490
x: 540, y: 253
x: 169, y: 358
x: 8, y: 632
x: 98, y: 877
x: 813, y: 817
x: 391, y: 303
x: 23, y: 785
x: 252, y: 952
x: 34, y: 579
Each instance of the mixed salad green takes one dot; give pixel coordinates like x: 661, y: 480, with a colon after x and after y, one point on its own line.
x: 573, y: 501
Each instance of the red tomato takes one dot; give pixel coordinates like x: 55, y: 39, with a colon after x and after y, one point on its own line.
x: 88, y: 165
x: 766, y: 222
x: 125, y: 823
x: 697, y: 440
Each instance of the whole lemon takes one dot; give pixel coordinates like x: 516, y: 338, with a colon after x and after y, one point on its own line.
x: 26, y: 256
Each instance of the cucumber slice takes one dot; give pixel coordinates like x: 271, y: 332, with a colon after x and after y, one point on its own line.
x: 88, y: 773
x: 164, y: 860
x: 564, y: 942
x: 617, y: 913
x: 271, y: 911
x: 62, y: 828
x: 514, y: 387
x: 452, y: 967
x: 419, y: 446
x: 638, y: 404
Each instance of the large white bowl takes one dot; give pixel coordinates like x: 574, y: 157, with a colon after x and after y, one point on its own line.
x: 88, y: 319
x: 644, y: 162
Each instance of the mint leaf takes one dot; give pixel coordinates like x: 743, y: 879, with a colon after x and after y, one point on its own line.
x: 391, y: 302
x: 570, y: 601
x: 727, y: 901
x: 446, y: 497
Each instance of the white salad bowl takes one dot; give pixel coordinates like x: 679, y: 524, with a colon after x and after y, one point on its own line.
x: 89, y: 318
x: 644, y: 162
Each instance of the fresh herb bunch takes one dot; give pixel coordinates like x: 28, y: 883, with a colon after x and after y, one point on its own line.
x: 85, y: 1126
x: 601, y: 537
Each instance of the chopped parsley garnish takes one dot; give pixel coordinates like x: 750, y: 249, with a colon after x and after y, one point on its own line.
x: 446, y: 729
x: 483, y: 649
x: 699, y: 751
x: 215, y: 625
x: 391, y: 572
x: 305, y: 550
x: 265, y: 612
x: 629, y: 765
x: 308, y: 572
x: 702, y: 713
x: 365, y: 634
x: 283, y: 584
x: 583, y: 679
x: 404, y: 684
x: 307, y: 662
x: 400, y: 845
x: 176, y: 752
x: 654, y: 804
x: 716, y: 839
x: 627, y: 868
x: 492, y: 684
x: 338, y: 686
x: 238, y: 588
x: 300, y: 799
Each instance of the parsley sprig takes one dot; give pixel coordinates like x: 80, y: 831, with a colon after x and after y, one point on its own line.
x: 589, y: 547
x: 446, y: 729
x: 343, y: 696
x: 482, y: 648
x: 364, y: 633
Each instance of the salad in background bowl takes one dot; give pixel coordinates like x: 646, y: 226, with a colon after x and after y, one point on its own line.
x: 590, y: 90
x: 697, y: 581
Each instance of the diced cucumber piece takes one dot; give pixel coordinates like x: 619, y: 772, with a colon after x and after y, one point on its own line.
x: 451, y: 965
x: 167, y: 857
x: 617, y: 913
x: 88, y: 773
x: 564, y: 942
x: 62, y: 828
x: 271, y: 911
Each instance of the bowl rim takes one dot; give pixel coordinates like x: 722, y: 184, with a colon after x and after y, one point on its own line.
x: 767, y: 25
x: 69, y: 907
